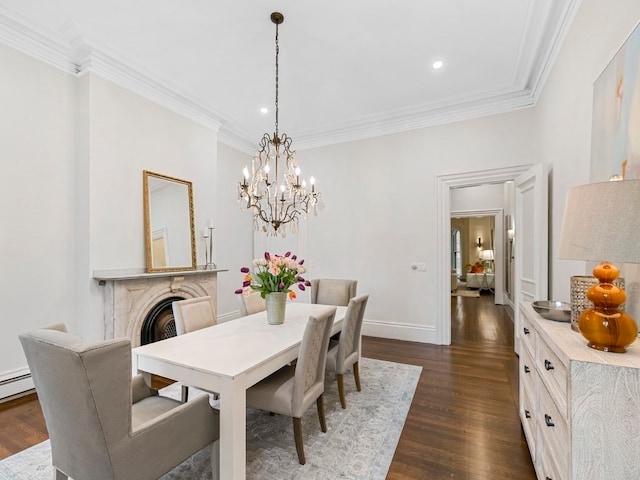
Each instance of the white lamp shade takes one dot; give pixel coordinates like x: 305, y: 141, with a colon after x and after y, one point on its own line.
x: 602, y: 222
x: 487, y: 255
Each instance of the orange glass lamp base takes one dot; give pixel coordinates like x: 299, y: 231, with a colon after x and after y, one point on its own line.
x: 605, y: 326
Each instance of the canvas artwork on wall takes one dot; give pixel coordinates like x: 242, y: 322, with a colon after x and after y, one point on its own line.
x: 615, y: 140
x: 615, y: 135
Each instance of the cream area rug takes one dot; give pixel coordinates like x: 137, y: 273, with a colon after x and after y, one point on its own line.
x: 466, y: 293
x: 359, y: 443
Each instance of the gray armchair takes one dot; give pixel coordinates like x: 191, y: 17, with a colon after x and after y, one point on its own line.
x: 104, y: 424
x: 291, y: 390
x: 333, y: 291
x: 346, y: 352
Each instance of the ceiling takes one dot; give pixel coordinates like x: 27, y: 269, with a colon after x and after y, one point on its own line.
x: 348, y: 69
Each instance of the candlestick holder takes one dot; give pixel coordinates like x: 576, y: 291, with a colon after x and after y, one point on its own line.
x: 208, y: 251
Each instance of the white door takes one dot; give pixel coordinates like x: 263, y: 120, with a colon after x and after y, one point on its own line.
x: 531, y: 241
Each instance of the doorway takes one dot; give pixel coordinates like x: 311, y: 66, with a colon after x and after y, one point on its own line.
x: 480, y: 244
x: 445, y: 183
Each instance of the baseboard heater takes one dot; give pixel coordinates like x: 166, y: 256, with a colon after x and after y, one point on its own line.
x: 15, y: 383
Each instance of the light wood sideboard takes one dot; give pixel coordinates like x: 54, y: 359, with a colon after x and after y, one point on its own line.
x: 579, y: 407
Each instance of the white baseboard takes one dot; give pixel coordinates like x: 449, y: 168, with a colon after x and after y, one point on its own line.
x: 14, y: 382
x: 399, y: 331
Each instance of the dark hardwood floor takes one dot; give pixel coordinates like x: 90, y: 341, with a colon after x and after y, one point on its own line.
x: 463, y: 423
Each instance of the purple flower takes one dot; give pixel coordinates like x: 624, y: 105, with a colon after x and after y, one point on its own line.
x: 293, y: 257
x: 301, y: 262
x: 301, y: 287
x: 267, y: 256
x: 288, y: 254
x: 307, y: 283
x: 244, y: 269
x: 300, y: 279
x: 238, y: 291
x: 281, y: 286
x: 246, y: 284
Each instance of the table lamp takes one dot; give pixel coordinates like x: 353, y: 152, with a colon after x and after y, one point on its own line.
x: 487, y: 257
x: 600, y: 224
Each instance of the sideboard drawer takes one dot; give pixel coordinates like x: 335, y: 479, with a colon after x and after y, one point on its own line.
x: 553, y: 432
x: 528, y: 416
x: 528, y: 335
x: 553, y: 374
x: 528, y: 372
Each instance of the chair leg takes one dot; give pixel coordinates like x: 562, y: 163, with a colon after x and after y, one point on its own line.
x: 297, y: 435
x: 320, y: 404
x: 185, y: 393
x: 343, y: 400
x: 58, y: 475
x: 215, y: 459
x: 356, y: 375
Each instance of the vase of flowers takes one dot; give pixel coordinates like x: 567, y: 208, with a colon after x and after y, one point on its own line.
x: 273, y: 277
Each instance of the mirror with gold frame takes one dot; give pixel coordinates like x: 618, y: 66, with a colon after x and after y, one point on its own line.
x: 168, y: 223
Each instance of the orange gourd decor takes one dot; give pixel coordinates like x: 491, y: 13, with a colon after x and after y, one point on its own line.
x: 606, y: 326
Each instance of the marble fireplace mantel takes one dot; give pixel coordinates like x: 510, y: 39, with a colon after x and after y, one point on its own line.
x: 129, y: 295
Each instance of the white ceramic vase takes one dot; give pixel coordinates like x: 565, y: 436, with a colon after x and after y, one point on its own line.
x: 276, y: 303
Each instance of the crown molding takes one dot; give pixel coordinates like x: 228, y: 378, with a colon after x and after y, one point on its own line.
x: 28, y: 37
x: 74, y: 52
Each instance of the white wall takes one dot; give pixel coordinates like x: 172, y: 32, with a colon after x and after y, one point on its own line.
x: 37, y: 209
x: 380, y: 214
x: 234, y: 234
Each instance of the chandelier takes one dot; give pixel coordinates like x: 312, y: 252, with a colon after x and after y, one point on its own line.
x: 273, y: 190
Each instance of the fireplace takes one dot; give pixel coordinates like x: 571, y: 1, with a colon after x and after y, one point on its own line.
x: 138, y: 305
x: 159, y: 322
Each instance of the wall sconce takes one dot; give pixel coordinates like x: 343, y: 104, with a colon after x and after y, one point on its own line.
x: 479, y: 244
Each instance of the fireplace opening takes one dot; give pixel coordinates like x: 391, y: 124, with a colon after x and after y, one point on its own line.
x: 159, y: 322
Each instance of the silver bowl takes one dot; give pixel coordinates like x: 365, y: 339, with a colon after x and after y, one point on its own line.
x: 558, y: 311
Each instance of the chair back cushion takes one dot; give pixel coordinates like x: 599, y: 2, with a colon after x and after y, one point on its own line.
x: 309, y: 375
x: 252, y: 303
x: 333, y: 291
x: 84, y: 389
x: 349, y: 345
x: 193, y: 314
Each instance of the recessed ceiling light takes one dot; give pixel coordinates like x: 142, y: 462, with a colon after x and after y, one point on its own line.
x: 438, y: 64
x: 264, y: 110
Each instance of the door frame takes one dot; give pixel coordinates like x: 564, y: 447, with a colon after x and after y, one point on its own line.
x: 443, y: 233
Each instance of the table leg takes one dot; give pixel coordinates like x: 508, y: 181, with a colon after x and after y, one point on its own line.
x: 233, y: 425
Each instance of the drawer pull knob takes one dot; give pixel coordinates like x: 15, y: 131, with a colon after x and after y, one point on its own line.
x: 526, y: 369
x: 548, y: 365
x: 526, y: 330
x: 527, y: 414
x: 547, y: 420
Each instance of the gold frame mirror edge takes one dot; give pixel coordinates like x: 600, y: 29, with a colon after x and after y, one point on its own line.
x: 148, y: 231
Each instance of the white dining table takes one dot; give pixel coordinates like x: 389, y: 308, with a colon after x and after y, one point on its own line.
x: 228, y: 358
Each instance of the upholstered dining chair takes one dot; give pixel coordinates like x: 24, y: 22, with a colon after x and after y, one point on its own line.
x: 190, y: 315
x: 103, y: 424
x: 333, y: 291
x: 291, y: 390
x: 346, y: 351
x: 252, y: 303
